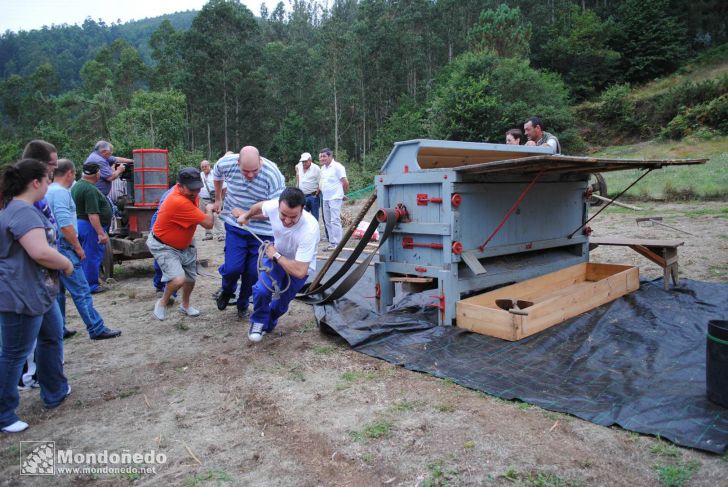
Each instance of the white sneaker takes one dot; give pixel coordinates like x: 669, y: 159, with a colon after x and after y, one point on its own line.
x: 33, y: 384
x: 16, y: 427
x: 160, y: 311
x: 191, y: 311
x: 256, y: 332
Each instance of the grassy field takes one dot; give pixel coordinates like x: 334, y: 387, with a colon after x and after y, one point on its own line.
x: 707, y: 181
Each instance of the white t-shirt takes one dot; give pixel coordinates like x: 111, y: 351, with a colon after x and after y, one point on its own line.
x: 331, y: 175
x: 208, y: 182
x: 298, y: 242
x: 308, y: 181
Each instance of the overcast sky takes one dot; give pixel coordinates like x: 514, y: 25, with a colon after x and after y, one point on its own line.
x: 18, y: 15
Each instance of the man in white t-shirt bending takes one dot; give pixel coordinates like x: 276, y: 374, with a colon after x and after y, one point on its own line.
x: 296, y: 234
x: 334, y: 186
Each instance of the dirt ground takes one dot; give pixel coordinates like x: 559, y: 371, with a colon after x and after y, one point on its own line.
x: 301, y: 408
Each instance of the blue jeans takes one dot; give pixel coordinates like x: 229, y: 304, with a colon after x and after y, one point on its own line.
x: 312, y: 205
x: 265, y: 309
x: 80, y: 292
x: 241, y: 262
x: 94, y: 253
x: 19, y: 332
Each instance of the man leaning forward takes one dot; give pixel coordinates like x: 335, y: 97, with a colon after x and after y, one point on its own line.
x: 288, y: 262
x: 171, y: 240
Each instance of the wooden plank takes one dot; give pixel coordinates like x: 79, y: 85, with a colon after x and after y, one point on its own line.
x: 557, y: 297
x: 602, y: 271
x: 580, y: 299
x: 628, y: 242
x: 656, y: 258
x: 571, y: 164
x: 623, y: 205
x: 419, y: 280
x: 495, y: 322
x: 531, y: 287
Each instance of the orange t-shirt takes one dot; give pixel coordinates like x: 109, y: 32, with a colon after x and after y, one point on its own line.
x: 177, y: 220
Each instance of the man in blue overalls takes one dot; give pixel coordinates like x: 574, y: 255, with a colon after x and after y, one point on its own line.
x: 287, y: 263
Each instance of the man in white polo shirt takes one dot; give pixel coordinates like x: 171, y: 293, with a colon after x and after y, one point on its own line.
x: 290, y: 260
x: 308, y: 176
x: 334, y: 186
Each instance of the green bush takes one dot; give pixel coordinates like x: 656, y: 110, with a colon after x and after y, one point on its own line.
x: 685, y: 95
x: 715, y: 115
x: 617, y: 109
x: 572, y: 143
x: 676, y: 129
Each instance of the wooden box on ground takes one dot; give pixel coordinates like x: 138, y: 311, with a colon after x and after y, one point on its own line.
x: 520, y: 310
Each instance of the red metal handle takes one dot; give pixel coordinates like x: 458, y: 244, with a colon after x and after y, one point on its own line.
x: 423, y: 199
x: 456, y: 200
x: 409, y: 243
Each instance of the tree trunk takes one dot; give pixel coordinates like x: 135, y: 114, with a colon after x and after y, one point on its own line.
x: 225, y: 113
x: 209, y: 143
x: 151, y: 128
x: 237, y: 122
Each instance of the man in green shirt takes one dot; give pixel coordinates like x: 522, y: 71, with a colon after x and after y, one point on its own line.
x: 94, y: 217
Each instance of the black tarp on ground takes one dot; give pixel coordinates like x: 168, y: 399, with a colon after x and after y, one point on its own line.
x: 638, y: 362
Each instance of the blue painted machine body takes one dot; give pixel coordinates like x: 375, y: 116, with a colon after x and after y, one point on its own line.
x: 452, y: 212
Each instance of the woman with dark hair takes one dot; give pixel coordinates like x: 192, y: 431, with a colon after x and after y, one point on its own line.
x: 514, y: 136
x: 29, y: 265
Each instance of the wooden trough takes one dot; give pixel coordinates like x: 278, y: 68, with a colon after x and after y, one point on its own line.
x: 520, y: 310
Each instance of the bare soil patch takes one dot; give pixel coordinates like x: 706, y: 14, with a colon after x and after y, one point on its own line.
x: 301, y: 408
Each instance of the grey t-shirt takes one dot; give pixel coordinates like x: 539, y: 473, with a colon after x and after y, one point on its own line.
x: 26, y: 287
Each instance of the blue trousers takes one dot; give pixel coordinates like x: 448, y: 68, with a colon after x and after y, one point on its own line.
x: 80, y: 292
x: 241, y: 263
x: 19, y: 332
x: 267, y: 310
x: 94, y: 253
x: 312, y: 205
x: 157, y: 279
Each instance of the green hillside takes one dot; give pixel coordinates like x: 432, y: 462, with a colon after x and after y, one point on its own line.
x: 708, y: 181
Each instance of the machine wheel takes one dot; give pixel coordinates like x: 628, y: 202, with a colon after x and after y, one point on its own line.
x: 599, y: 186
x: 107, y: 264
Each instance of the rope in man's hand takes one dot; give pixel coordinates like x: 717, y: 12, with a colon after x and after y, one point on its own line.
x: 268, y: 270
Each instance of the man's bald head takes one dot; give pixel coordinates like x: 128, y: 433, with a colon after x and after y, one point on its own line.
x: 249, y: 162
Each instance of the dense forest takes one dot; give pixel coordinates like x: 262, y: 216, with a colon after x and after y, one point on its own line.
x: 358, y: 75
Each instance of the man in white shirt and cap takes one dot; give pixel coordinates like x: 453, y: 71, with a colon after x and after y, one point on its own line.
x: 308, y: 176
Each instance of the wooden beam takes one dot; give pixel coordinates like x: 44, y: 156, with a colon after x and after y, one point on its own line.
x: 418, y: 280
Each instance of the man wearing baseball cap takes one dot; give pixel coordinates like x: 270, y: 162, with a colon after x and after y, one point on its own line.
x: 308, y: 176
x: 94, y: 217
x: 171, y: 240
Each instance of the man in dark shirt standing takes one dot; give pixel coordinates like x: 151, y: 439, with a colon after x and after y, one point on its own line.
x: 94, y: 217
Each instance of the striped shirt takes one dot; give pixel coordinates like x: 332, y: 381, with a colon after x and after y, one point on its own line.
x: 268, y: 184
